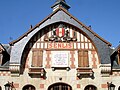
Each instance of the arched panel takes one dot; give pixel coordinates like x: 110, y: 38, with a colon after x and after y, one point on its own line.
x: 90, y: 87
x: 60, y: 86
x: 28, y: 87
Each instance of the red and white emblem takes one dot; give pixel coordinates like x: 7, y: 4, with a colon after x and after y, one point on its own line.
x: 60, y: 32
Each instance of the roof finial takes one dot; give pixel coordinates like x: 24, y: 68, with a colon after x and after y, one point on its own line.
x: 60, y: 3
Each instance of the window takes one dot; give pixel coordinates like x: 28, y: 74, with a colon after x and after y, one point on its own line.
x: 90, y: 87
x: 0, y: 88
x: 28, y: 87
x: 37, y: 58
x: 119, y: 88
x: 60, y: 86
x: 83, y: 58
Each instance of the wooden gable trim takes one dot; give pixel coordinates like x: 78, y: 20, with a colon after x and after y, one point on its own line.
x: 118, y: 56
x: 31, y: 29
x: 1, y: 49
x: 119, y: 49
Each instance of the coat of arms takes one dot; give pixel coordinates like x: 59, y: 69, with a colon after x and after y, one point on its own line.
x: 60, y: 32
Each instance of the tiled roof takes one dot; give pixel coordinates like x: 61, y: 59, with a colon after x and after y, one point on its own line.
x: 48, y: 17
x: 114, y: 58
x: 116, y: 49
x: 6, y: 47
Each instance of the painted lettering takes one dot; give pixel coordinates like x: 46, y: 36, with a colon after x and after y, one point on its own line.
x: 60, y: 45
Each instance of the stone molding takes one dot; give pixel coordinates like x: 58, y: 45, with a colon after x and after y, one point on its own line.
x: 15, y: 69
x: 40, y: 71
x: 85, y: 72
x: 105, y: 70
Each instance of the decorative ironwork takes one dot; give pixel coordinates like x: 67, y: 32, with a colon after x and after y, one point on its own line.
x: 9, y: 86
x: 111, y: 86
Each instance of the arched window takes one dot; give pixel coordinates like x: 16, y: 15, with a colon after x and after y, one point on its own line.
x: 60, y: 86
x: 28, y: 87
x: 119, y: 88
x: 0, y: 88
x: 90, y: 87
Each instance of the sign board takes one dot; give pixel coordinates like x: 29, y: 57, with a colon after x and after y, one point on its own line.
x: 60, y: 45
x: 60, y: 58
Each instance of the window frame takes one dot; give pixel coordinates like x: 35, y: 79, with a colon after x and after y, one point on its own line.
x: 37, y: 58
x: 83, y: 63
x: 90, y: 87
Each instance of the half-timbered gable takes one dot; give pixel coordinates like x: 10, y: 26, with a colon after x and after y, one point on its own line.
x: 78, y: 46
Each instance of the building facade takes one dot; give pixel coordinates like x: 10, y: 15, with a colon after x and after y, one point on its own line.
x: 59, y: 53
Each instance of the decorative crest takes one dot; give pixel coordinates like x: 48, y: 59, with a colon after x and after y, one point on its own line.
x: 60, y: 31
x: 60, y: 34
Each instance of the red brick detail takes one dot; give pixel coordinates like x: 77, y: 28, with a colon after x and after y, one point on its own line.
x: 94, y: 59
x: 72, y: 59
x: 4, y: 73
x: 43, y: 78
x: 8, y: 74
x: 116, y: 73
x: 78, y: 86
x: 93, y: 52
x: 41, y: 85
x: 104, y: 86
x: 48, y: 59
x: 77, y: 78
x: 16, y: 85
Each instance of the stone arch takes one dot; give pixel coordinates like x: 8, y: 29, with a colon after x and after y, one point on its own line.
x: 59, y: 86
x: 90, y: 87
x: 28, y: 87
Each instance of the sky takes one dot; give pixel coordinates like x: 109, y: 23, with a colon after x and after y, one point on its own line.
x: 16, y: 16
